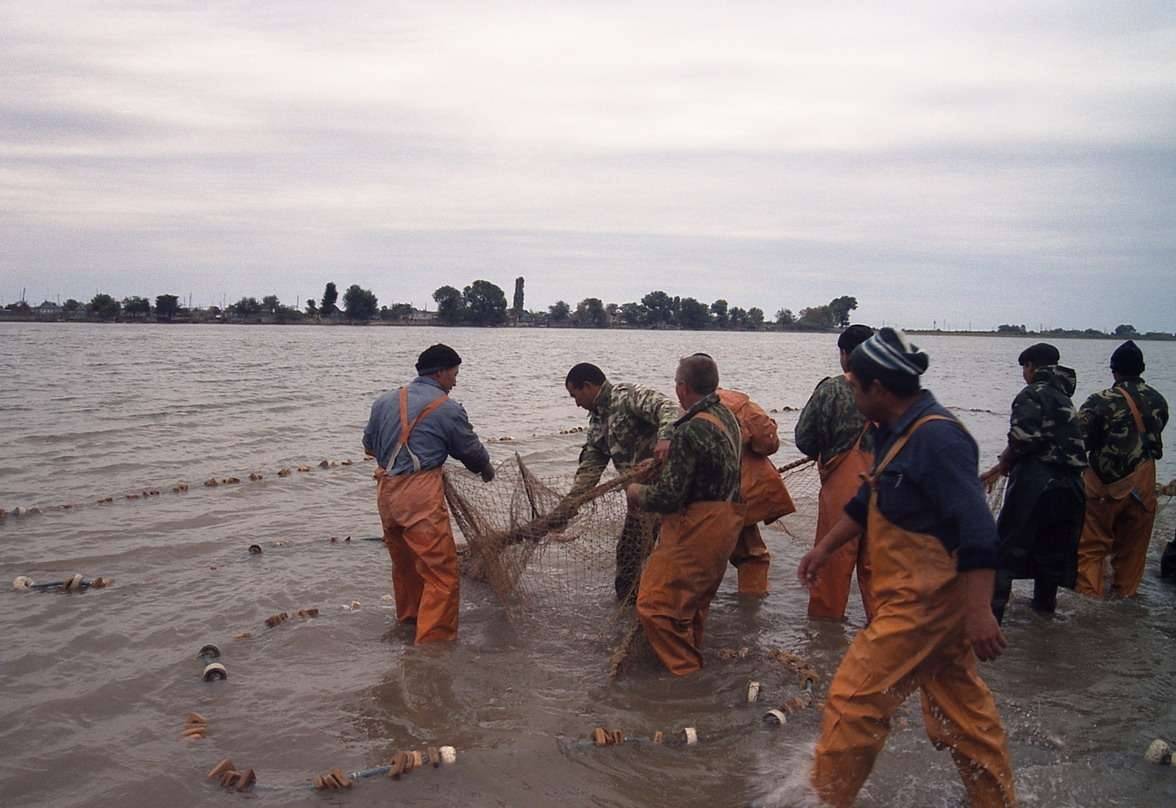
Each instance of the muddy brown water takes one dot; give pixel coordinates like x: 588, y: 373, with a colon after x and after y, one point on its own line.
x: 95, y: 686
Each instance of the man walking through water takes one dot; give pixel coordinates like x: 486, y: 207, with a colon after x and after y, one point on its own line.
x: 411, y: 433
x: 697, y: 492
x: 1041, y: 520
x: 1122, y: 426
x: 933, y: 547
x: 832, y: 431
x: 627, y: 424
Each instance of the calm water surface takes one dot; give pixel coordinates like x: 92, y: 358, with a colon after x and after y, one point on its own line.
x: 95, y: 686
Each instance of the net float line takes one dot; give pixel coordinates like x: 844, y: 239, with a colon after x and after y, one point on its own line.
x: 195, y: 727
x: 76, y: 583
x: 1160, y: 753
x: 225, y: 772
x: 212, y: 669
x: 687, y: 736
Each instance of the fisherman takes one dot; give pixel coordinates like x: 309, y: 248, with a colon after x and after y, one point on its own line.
x: 628, y: 424
x: 761, y: 490
x: 697, y: 492
x: 933, y: 547
x: 832, y: 431
x: 1122, y: 426
x: 1041, y: 519
x: 411, y: 432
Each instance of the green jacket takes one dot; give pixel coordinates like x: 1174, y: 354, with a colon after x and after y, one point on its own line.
x: 703, y: 465
x: 1044, y: 424
x: 830, y: 422
x: 1114, y: 444
x: 625, y: 423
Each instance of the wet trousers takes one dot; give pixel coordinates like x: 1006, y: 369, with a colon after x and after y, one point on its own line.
x: 751, y: 560
x: 681, y: 577
x: 1118, y: 526
x: 425, y: 578
x: 829, y: 596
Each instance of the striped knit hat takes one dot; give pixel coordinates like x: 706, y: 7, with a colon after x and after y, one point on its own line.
x: 890, y: 350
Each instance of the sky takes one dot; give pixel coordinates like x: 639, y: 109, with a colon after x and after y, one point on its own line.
x: 956, y: 164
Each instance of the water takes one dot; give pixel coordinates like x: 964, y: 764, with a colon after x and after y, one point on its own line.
x: 95, y: 686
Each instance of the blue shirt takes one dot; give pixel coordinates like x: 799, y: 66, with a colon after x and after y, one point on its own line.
x: 933, y: 486
x: 445, y: 431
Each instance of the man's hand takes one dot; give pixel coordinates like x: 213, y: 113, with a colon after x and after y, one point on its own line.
x: 488, y: 473
x: 645, y: 469
x: 984, y: 633
x: 661, y: 450
x: 810, y: 565
x: 633, y: 495
x: 990, y: 477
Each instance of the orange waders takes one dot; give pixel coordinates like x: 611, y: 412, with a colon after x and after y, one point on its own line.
x: 683, y: 573
x: 841, y: 477
x: 915, y: 640
x: 425, y: 577
x: 1119, y: 520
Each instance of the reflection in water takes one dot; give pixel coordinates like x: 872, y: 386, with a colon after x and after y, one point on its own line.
x: 96, y: 685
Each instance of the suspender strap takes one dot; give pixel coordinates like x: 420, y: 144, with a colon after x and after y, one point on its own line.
x: 906, y: 436
x: 1135, y: 413
x: 406, y: 428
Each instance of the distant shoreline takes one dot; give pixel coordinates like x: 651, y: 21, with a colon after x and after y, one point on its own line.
x: 7, y: 317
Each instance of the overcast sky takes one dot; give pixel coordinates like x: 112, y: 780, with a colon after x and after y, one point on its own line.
x: 958, y: 162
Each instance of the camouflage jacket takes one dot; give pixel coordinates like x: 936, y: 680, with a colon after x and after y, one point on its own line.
x: 1044, y: 424
x: 703, y: 464
x: 830, y: 422
x: 625, y: 423
x: 1114, y: 444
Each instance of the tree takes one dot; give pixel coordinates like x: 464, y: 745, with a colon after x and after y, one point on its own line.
x: 785, y: 317
x: 719, y: 310
x: 590, y: 313
x: 485, y: 303
x: 21, y: 307
x: 166, y: 307
x: 517, y: 308
x: 559, y: 311
x: 450, y: 305
x: 1125, y: 330
x: 359, y: 303
x: 287, y: 314
x: 396, y: 312
x: 692, y: 314
x: 634, y: 314
x: 660, y: 307
x: 330, y: 296
x: 270, y: 304
x: 245, y: 308
x: 104, y: 307
x: 72, y: 305
x: 755, y: 316
x: 1007, y: 328
x: 137, y: 307
x: 311, y: 308
x: 816, y: 317
x: 736, y: 317
x: 839, y: 309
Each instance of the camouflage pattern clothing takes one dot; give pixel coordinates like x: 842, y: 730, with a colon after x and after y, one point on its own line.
x: 830, y: 422
x: 704, y: 461
x: 625, y: 423
x: 1114, y: 444
x: 1044, y: 424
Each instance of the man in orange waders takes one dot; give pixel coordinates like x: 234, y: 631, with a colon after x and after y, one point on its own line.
x: 933, y: 549
x: 411, y: 432
x: 761, y: 489
x: 1122, y: 427
x: 832, y: 431
x: 696, y: 492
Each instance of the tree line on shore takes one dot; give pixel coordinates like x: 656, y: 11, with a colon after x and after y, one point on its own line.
x: 483, y: 303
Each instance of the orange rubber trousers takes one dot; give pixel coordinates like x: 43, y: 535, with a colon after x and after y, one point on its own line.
x: 681, y: 577
x: 915, y: 640
x: 751, y: 560
x: 425, y: 578
x: 841, y: 478
x: 1118, y: 525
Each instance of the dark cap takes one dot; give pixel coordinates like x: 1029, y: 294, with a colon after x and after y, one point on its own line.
x: 1127, y: 359
x: 854, y: 336
x: 437, y: 357
x: 1039, y: 354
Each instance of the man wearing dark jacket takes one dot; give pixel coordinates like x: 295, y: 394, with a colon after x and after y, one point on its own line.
x: 1041, y: 520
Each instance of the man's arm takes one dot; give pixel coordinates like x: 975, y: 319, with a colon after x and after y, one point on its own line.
x: 1090, y: 420
x: 668, y: 492
x: 658, y: 410
x: 1026, y: 435
x: 593, y: 461
x: 808, y: 434
x: 846, y: 528
x: 461, y: 440
x: 369, y: 432
x: 951, y: 459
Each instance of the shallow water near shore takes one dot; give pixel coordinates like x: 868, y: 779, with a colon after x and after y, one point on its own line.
x: 96, y: 685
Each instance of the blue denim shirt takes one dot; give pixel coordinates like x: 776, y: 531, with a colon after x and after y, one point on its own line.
x: 444, y: 432
x: 933, y: 486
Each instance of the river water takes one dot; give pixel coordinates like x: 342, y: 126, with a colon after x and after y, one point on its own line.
x: 95, y: 686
